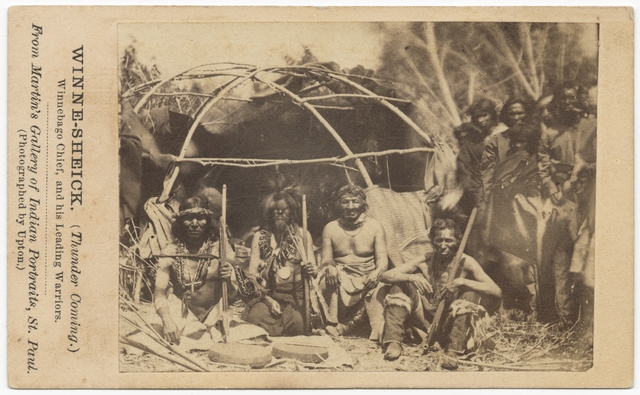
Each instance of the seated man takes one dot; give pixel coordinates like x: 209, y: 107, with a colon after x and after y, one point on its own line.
x: 196, y: 281
x: 276, y: 303
x: 354, y: 254
x: 415, y: 293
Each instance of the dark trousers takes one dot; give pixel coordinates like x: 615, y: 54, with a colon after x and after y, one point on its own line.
x: 554, y: 283
x: 288, y: 324
x: 404, y: 308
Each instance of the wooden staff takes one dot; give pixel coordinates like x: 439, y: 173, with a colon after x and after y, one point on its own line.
x: 189, y: 256
x: 223, y: 260
x: 305, y: 277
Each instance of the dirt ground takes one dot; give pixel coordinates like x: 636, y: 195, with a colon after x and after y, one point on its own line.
x: 521, y: 344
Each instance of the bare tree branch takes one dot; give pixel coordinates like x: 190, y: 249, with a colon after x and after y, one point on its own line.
x: 424, y: 82
x: 511, y: 59
x: 432, y: 51
x: 471, y: 90
x: 525, y: 33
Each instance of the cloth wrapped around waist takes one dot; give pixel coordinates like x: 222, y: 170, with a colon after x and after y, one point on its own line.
x: 352, y: 276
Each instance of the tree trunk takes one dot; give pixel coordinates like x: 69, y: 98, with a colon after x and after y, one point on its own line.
x: 432, y: 51
x: 513, y: 62
x: 529, y: 59
x: 471, y: 90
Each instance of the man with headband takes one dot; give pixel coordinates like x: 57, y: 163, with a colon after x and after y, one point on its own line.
x: 354, y: 255
x: 190, y: 268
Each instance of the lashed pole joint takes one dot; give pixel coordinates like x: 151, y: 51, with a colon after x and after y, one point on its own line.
x: 385, y: 103
x: 298, y: 100
x: 171, y: 179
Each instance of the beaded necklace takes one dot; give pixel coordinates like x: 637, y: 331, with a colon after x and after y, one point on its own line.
x: 192, y: 283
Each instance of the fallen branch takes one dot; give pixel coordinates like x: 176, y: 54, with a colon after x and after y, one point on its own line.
x: 533, y: 347
x: 276, y: 363
x: 311, y: 87
x: 162, y: 343
x: 505, y: 367
x: 551, y: 362
x: 159, y: 339
x: 503, y: 356
x: 167, y: 356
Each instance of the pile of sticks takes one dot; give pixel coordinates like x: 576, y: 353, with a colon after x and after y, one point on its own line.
x: 167, y: 350
x: 527, y: 346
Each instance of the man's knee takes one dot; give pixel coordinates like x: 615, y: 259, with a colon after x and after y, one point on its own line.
x: 322, y: 282
x: 397, y: 298
x: 327, y: 290
x: 471, y: 296
x: 293, y: 325
x: 395, y: 289
x: 255, y: 314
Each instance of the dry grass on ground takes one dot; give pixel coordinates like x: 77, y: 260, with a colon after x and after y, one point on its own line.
x: 522, y: 344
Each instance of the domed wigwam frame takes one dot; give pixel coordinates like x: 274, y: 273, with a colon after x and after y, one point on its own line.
x: 304, y: 86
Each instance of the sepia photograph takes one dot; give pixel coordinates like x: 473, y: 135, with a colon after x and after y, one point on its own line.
x: 389, y: 196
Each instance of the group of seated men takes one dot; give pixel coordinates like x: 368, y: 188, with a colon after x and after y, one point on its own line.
x: 353, y: 276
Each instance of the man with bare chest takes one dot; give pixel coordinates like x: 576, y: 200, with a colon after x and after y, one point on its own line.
x: 354, y: 255
x: 418, y: 286
x: 189, y: 266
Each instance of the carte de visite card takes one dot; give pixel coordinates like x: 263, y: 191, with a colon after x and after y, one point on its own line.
x: 368, y: 197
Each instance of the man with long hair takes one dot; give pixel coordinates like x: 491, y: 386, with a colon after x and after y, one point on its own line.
x: 484, y: 116
x: 189, y: 267
x: 278, y: 259
x: 472, y: 137
x: 418, y: 286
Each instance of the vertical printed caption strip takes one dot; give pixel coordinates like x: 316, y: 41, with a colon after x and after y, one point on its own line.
x: 45, y: 198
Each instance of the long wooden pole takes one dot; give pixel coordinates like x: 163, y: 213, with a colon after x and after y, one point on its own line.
x: 160, y: 354
x: 385, y: 103
x: 153, y: 334
x: 305, y: 277
x: 250, y: 162
x: 352, y: 95
x: 223, y: 261
x: 160, y: 83
x: 297, y: 99
x: 171, y: 178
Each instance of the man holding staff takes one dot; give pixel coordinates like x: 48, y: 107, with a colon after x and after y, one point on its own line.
x: 278, y: 257
x: 354, y: 255
x: 418, y: 286
x: 190, y: 266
